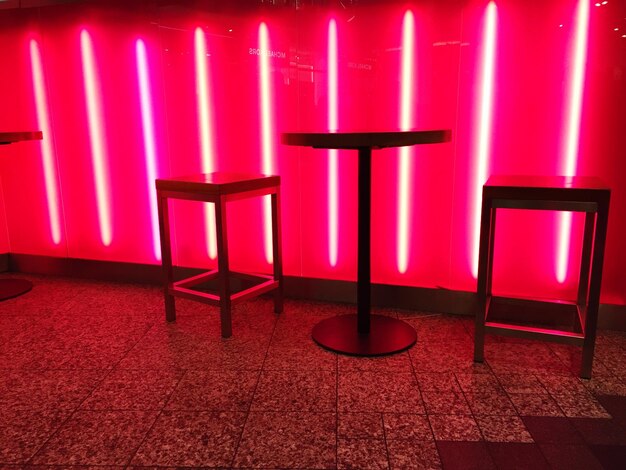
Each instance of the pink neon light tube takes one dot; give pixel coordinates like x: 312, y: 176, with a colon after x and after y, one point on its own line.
x: 147, y: 121
x: 572, y: 133
x: 96, y: 138
x: 484, y: 119
x: 333, y: 164
x: 205, y: 130
x: 266, y: 131
x: 408, y: 78
x: 47, y: 144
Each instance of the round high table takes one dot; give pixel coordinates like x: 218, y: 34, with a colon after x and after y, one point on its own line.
x: 10, y: 288
x: 364, y: 334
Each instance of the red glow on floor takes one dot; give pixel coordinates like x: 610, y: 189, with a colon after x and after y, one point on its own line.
x: 97, y: 140
x: 333, y: 163
x: 484, y: 120
x: 407, y: 89
x: 267, y: 131
x: 47, y: 144
x: 572, y: 132
x: 205, y: 130
x: 147, y: 122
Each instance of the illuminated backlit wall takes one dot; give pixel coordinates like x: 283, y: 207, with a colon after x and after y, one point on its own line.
x: 127, y: 92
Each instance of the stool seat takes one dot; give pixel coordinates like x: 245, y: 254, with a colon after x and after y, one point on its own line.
x: 219, y: 188
x: 561, y: 193
x: 216, y: 184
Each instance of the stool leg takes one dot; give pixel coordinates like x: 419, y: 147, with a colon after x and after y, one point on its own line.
x: 166, y: 256
x: 585, y: 263
x: 591, y: 319
x: 277, y: 251
x: 485, y: 264
x: 223, y: 268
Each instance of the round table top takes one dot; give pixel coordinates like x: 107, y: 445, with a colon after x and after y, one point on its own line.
x: 357, y: 140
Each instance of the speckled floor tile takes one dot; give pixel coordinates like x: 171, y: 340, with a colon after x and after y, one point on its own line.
x: 570, y: 457
x: 454, y: 428
x: 520, y: 366
x: 580, y: 405
x: 405, y: 454
x: 503, y: 429
x: 315, y: 309
x: 443, y: 357
x: 611, y: 457
x: 109, y: 299
x: 534, y: 355
x: 293, y: 330
x: 23, y: 432
x: 453, y: 332
x: 288, y: 440
x: 383, y: 392
x: 308, y: 356
x: 517, y: 456
x: 393, y: 363
x: 214, y: 390
x: 600, y: 431
x: 446, y: 403
x: 362, y: 454
x: 552, y: 430
x: 559, y: 384
x: 478, y: 382
x: 63, y: 353
x: 238, y: 353
x: 490, y: 403
x: 465, y: 455
x: 13, y: 323
x: 133, y: 390
x: 615, y: 406
x: 443, y: 382
x: 47, y: 389
x: 97, y: 438
x: 528, y: 404
x: 184, y: 438
x: 360, y: 425
x: 295, y: 391
x: 69, y: 467
x: 521, y: 383
x: 407, y: 426
x: 606, y: 386
x: 161, y: 354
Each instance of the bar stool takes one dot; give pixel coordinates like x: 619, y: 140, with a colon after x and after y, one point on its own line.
x: 580, y: 194
x: 219, y: 188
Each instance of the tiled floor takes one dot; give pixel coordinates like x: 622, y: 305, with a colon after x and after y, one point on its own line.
x: 92, y: 375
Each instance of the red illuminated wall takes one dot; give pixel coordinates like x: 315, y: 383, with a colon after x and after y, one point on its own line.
x: 125, y: 94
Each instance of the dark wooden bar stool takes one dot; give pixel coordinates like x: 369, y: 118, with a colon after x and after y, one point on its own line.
x: 219, y: 188
x: 496, y: 314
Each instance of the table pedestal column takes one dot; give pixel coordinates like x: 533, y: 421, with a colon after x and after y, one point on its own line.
x: 364, y: 334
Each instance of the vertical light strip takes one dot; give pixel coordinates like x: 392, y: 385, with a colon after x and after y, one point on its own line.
x: 147, y: 121
x: 205, y: 130
x: 47, y: 144
x: 333, y: 164
x: 266, y: 130
x: 407, y: 77
x: 572, y: 133
x: 96, y: 138
x: 484, y: 119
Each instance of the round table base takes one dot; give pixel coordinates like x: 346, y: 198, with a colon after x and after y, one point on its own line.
x: 10, y: 288
x: 387, y: 335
